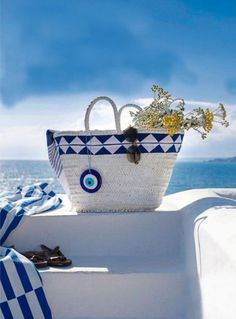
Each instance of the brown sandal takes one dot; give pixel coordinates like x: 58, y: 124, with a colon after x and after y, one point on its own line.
x: 55, y: 257
x: 37, y: 258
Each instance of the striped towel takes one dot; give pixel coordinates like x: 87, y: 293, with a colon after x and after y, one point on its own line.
x: 21, y: 288
x: 25, y: 201
x: 53, y: 153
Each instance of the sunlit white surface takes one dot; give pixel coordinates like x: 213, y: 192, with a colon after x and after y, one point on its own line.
x: 178, y: 262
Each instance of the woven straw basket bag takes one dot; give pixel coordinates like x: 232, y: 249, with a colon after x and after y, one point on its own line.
x: 93, y: 168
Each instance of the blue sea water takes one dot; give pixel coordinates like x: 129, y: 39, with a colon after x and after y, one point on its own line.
x: 186, y: 175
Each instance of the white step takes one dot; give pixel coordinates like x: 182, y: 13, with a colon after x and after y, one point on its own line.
x: 117, y: 288
x: 125, y: 265
x: 157, y: 233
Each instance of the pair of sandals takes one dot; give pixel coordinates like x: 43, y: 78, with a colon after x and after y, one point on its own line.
x: 48, y: 257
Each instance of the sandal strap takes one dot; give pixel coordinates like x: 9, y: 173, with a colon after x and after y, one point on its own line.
x: 37, y: 258
x: 45, y: 248
x: 52, y: 252
x: 31, y: 253
x: 56, y: 258
x: 49, y: 250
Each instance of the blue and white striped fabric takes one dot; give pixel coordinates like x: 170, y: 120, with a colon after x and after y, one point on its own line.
x: 25, y: 201
x: 53, y: 154
x: 21, y: 288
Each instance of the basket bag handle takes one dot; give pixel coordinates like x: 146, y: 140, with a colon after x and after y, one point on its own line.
x: 91, y: 105
x: 117, y: 114
x: 128, y: 105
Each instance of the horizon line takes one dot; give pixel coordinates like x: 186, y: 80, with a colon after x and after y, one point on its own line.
x: 178, y: 159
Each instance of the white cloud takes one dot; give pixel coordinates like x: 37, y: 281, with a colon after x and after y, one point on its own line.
x: 220, y: 142
x: 22, y: 128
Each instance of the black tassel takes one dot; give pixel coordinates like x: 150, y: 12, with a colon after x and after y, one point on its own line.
x: 133, y: 154
x: 131, y: 134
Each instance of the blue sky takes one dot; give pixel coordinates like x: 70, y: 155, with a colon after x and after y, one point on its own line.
x: 58, y: 54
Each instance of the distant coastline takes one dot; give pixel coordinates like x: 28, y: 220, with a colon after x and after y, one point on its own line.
x: 223, y: 160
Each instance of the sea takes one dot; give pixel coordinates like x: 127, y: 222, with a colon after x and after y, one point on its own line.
x: 187, y: 174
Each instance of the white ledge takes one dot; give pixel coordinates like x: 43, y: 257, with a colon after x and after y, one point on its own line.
x: 171, y: 203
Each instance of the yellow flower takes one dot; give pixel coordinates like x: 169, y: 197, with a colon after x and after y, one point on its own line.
x: 167, y: 121
x: 172, y: 130
x: 172, y: 122
x: 209, y: 118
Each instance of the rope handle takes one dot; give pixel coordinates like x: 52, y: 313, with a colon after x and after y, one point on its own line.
x: 91, y: 105
x: 117, y: 114
x: 128, y: 105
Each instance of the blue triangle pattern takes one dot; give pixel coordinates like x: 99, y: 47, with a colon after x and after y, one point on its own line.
x: 175, y: 136
x: 58, y: 139
x: 158, y: 149
x: 120, y: 137
x: 121, y: 150
x: 102, y: 151
x: 171, y: 150
x: 142, y: 149
x: 61, y: 151
x: 84, y: 138
x: 103, y: 138
x: 159, y: 136
x: 142, y: 136
x: 85, y: 151
x: 69, y: 139
x: 70, y: 151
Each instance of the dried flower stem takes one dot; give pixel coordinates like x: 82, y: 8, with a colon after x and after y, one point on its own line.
x: 167, y: 112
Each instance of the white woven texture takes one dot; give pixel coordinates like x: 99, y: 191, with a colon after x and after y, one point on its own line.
x: 125, y: 186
